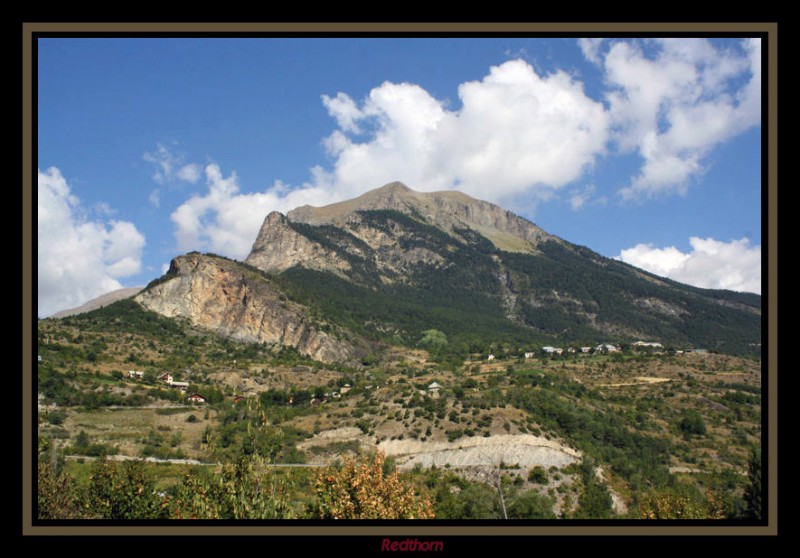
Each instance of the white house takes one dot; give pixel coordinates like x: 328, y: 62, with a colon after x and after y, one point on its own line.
x: 196, y: 398
x: 183, y: 386
x: 136, y: 374
x: 490, y: 357
x: 552, y: 350
x: 166, y: 377
x: 530, y: 355
x: 434, y: 387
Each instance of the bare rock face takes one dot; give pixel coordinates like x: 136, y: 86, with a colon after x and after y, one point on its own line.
x: 279, y: 247
x: 225, y: 297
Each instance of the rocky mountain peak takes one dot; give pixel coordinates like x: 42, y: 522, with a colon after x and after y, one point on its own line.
x: 448, y: 210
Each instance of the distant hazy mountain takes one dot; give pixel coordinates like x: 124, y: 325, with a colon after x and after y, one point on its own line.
x: 99, y: 302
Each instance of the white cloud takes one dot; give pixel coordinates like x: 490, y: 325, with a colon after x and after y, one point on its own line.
x: 190, y: 173
x: 225, y: 221
x: 711, y: 263
x: 170, y: 167
x: 673, y: 101
x: 344, y: 110
x: 78, y: 259
x: 579, y: 198
x: 103, y: 209
x: 516, y: 132
x: 155, y: 197
x: 591, y: 49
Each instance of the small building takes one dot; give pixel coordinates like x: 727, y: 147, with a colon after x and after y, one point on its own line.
x: 434, y: 387
x: 196, y: 399
x: 552, y: 350
x: 183, y: 386
x: 642, y: 344
x: 136, y: 374
x: 606, y: 348
x: 586, y: 350
x: 490, y: 357
x: 166, y: 377
x: 530, y: 355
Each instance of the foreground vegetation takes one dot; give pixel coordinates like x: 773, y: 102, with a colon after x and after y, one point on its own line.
x: 659, y: 435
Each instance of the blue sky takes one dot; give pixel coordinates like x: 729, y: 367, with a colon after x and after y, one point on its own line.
x: 644, y: 150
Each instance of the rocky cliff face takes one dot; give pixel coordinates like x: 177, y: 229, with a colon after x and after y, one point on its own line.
x: 338, y: 237
x: 225, y: 297
x: 279, y: 247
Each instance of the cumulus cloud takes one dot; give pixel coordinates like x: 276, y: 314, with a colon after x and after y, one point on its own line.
x: 673, y: 101
x: 78, y: 259
x: 225, y: 221
x: 516, y: 132
x: 170, y: 167
x: 711, y: 263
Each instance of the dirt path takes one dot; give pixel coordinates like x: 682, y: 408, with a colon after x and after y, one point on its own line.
x: 148, y: 459
x: 640, y: 380
x: 182, y: 461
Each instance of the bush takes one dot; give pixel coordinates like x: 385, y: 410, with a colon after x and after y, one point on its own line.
x: 453, y: 435
x: 247, y: 489
x: 692, y: 423
x: 752, y: 494
x: 56, y: 417
x: 537, y: 475
x: 594, y: 502
x: 123, y: 491
x: 56, y: 495
x: 361, y: 490
x: 191, y: 418
x: 680, y: 502
x: 531, y: 505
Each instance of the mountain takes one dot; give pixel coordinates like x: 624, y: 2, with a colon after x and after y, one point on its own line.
x: 393, y: 263
x: 99, y: 302
x: 240, y: 302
